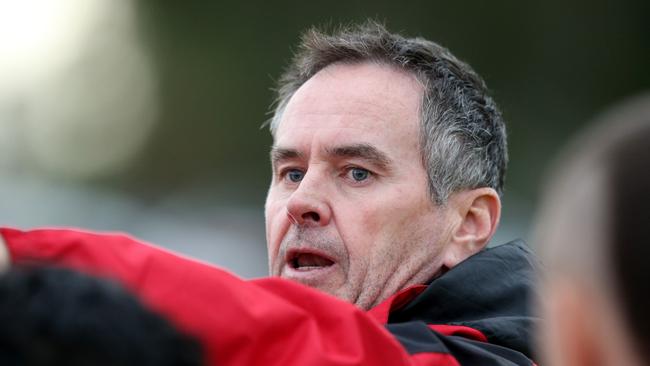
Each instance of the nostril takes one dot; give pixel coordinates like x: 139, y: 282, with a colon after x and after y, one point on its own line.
x: 311, y: 216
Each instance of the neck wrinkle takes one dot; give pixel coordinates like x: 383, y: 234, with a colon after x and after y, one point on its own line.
x: 421, y: 276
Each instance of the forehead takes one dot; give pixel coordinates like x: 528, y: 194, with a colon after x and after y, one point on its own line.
x: 348, y: 101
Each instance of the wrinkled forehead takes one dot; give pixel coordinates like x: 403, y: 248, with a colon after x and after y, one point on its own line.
x: 364, y: 96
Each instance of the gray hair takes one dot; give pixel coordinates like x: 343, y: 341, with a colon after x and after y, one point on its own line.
x: 463, y: 138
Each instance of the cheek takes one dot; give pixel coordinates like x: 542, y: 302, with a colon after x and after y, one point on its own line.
x: 359, y: 221
x: 403, y: 220
x: 366, y: 228
x: 393, y: 214
x: 369, y: 219
x: 277, y: 224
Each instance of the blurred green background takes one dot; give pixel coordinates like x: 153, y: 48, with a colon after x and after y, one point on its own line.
x: 176, y: 93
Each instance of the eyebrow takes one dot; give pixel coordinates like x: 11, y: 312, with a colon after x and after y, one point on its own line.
x: 362, y: 151
x: 279, y: 154
x: 365, y: 152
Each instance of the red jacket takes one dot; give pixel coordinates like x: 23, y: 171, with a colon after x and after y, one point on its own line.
x: 272, y: 321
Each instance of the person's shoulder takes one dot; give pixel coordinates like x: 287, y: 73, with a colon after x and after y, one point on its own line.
x: 517, y: 247
x: 514, y: 251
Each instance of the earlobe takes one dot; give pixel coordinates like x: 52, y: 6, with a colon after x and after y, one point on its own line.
x: 478, y: 212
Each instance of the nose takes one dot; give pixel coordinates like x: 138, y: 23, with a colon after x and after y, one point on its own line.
x: 308, y: 204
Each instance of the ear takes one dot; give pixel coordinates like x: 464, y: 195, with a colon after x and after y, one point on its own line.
x: 477, y: 213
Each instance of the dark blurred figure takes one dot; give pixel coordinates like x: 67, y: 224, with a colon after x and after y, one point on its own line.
x: 594, y: 233
x: 54, y: 316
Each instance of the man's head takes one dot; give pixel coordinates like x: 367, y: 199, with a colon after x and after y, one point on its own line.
x: 388, y: 160
x: 54, y: 316
x: 593, y: 235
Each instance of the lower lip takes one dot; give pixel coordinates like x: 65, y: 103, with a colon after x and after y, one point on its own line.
x: 310, y: 277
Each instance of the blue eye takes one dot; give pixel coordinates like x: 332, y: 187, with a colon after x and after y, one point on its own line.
x: 359, y: 174
x: 295, y: 175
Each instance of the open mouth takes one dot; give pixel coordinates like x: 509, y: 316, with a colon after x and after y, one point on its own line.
x: 302, y: 261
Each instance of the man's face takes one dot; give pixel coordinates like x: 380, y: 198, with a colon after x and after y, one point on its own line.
x: 348, y: 210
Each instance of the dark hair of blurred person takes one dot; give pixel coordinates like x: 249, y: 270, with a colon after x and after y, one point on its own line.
x: 594, y: 234
x: 53, y: 316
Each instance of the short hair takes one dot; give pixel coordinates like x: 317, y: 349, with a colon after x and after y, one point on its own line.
x: 53, y: 316
x: 593, y: 227
x: 463, y: 135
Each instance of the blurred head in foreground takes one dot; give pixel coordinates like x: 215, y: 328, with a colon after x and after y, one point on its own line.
x: 53, y: 316
x: 594, y: 235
